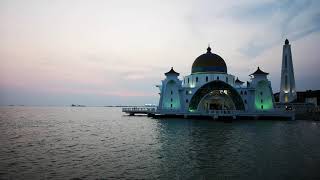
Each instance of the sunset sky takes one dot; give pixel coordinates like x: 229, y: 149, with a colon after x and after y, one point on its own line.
x: 112, y: 52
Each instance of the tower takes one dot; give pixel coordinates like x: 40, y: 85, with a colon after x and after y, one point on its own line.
x: 287, y: 85
x: 169, y: 91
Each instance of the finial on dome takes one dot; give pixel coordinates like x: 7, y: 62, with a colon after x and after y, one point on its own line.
x: 286, y: 41
x: 208, y: 49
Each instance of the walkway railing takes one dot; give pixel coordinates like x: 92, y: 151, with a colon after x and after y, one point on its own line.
x: 139, y: 109
x: 224, y: 112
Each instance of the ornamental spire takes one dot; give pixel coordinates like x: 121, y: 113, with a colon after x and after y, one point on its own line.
x: 286, y: 41
x: 209, y: 48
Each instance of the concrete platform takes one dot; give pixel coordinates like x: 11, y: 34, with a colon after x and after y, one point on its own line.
x: 216, y: 114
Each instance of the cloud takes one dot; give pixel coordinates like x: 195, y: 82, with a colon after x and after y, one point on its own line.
x: 276, y: 21
x: 121, y: 48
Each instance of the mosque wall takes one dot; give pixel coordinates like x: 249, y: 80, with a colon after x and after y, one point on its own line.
x: 171, y: 99
x: 263, y: 96
x: 197, y: 80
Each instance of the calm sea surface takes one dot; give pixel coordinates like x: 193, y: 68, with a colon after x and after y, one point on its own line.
x: 103, y: 143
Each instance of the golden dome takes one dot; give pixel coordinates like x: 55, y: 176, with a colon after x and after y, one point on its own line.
x: 209, y: 63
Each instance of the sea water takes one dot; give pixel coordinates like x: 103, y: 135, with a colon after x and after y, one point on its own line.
x: 104, y: 143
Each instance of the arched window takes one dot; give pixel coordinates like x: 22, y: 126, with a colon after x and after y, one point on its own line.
x: 171, y: 105
x: 171, y: 92
x: 187, y: 93
x: 197, y: 79
x: 261, y: 93
x: 171, y: 99
x: 241, y: 92
x: 207, y: 78
x: 245, y: 92
x: 218, y: 78
x: 261, y: 100
x: 245, y: 101
x: 188, y: 80
x: 261, y: 106
x: 187, y: 100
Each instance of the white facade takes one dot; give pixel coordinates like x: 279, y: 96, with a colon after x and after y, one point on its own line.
x: 287, y: 87
x: 210, y: 87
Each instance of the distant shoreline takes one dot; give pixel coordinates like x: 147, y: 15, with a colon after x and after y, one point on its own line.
x: 73, y: 106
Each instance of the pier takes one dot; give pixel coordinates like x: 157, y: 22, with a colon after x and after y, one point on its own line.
x: 139, y: 110
x: 214, y: 114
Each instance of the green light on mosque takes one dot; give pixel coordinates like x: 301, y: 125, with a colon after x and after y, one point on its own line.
x: 265, y: 105
x: 263, y: 96
x: 174, y: 104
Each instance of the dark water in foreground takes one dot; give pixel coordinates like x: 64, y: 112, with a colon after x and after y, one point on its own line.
x: 95, y: 143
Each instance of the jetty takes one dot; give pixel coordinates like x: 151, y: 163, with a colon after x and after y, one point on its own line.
x: 150, y: 111
x: 213, y: 114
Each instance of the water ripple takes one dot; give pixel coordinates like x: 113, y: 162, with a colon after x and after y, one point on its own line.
x: 102, y: 143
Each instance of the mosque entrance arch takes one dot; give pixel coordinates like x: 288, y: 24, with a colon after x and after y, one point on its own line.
x: 216, y: 100
x: 216, y: 95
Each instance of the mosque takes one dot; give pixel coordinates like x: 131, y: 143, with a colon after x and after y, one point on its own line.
x: 210, y: 90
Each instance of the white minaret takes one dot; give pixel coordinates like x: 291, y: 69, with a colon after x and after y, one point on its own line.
x: 287, y: 87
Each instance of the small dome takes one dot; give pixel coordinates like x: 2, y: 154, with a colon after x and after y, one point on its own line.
x: 172, y: 72
x: 259, y: 72
x: 209, y: 63
x: 238, y: 81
